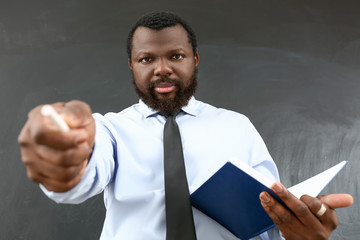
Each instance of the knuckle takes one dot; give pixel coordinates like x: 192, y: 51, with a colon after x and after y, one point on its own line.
x: 32, y: 176
x: 71, y: 183
x: 69, y: 173
x: 84, y: 153
x: 277, y: 220
x: 286, y: 217
x: 27, y: 160
x: 314, y: 204
x: 59, y: 186
x: 71, y: 156
x: 53, y: 156
x: 301, y: 210
x: 67, y: 158
x: 78, y: 155
x: 23, y: 139
x: 61, y: 158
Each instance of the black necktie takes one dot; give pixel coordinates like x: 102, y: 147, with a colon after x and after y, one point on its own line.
x: 179, y: 216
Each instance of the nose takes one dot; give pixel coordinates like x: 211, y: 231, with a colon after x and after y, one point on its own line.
x: 163, y: 68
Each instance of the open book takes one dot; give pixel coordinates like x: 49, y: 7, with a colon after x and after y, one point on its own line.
x: 231, y: 196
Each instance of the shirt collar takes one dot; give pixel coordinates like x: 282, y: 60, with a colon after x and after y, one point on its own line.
x: 190, y: 108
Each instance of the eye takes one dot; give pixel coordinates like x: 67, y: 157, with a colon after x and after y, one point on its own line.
x: 145, y: 60
x: 178, y: 56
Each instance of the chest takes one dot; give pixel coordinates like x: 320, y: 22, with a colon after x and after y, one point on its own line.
x: 206, y: 147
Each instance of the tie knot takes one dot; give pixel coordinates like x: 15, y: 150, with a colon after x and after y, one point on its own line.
x: 170, y: 114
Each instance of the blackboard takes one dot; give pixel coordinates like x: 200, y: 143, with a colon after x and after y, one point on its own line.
x: 293, y: 67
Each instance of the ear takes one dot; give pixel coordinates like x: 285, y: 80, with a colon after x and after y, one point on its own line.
x: 129, y: 63
x: 197, y: 59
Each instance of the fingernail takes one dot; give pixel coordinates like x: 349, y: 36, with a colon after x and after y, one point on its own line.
x: 264, y: 198
x: 277, y: 187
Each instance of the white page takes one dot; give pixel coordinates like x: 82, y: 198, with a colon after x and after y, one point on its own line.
x: 314, y: 185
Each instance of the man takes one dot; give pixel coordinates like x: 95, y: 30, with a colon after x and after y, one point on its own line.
x: 123, y: 155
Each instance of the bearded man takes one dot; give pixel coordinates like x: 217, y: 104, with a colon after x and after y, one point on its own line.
x: 122, y: 154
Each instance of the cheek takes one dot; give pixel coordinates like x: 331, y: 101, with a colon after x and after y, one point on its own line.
x: 141, y: 78
x: 187, y: 74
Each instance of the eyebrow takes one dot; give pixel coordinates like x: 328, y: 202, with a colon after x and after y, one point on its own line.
x: 142, y: 53
x: 178, y: 50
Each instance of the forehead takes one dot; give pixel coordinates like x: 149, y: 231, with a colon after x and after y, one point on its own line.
x: 146, y: 39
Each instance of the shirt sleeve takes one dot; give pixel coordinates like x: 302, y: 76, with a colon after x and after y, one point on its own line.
x: 99, y: 171
x: 261, y: 159
x: 263, y: 163
x: 271, y: 234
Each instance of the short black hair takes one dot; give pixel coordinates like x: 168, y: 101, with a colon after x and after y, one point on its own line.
x: 159, y: 21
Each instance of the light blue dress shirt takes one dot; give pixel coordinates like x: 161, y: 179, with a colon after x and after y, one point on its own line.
x: 127, y: 164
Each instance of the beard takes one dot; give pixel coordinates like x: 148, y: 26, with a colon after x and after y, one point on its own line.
x: 168, y: 105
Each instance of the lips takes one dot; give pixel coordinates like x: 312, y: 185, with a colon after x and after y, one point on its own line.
x: 164, y: 87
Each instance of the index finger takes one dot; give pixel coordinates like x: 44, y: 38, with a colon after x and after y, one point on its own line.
x: 298, y: 207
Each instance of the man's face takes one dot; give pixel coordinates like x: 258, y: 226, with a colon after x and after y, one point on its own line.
x: 163, y: 65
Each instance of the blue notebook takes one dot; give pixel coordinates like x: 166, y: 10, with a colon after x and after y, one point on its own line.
x: 231, y: 197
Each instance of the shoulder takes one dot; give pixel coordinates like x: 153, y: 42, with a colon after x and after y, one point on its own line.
x: 206, y: 110
x: 115, y: 118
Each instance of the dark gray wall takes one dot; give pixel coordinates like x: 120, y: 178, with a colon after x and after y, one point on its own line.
x: 291, y: 66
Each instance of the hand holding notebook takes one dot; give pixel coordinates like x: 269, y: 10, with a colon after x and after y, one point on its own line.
x: 304, y: 218
x: 235, y: 185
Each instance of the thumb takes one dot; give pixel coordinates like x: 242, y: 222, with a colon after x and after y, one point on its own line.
x: 77, y: 114
x: 338, y: 200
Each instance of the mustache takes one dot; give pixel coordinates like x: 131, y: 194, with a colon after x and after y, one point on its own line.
x: 163, y: 80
